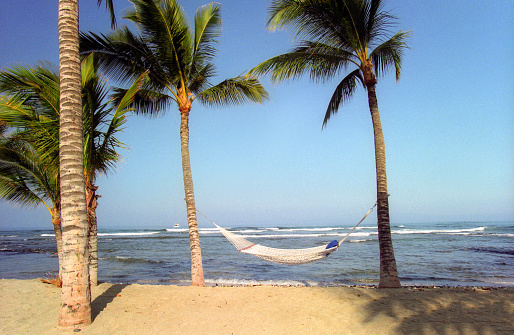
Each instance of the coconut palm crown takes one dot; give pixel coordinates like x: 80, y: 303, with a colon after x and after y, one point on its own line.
x: 337, y: 36
x: 177, y: 62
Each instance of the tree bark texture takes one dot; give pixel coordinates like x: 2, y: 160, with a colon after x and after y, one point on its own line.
x: 75, y: 307
x: 194, y: 237
x: 93, y: 232
x: 388, y: 272
x: 56, y: 222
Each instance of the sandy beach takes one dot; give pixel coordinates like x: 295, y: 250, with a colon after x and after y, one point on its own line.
x: 31, y: 307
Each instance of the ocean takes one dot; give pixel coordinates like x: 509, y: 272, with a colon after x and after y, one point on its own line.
x: 442, y: 254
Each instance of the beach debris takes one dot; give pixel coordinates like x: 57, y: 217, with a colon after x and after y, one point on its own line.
x: 52, y: 279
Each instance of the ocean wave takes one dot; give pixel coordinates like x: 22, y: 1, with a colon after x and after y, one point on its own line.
x: 438, y: 231
x: 303, y: 235
x: 124, y: 259
x: 311, y: 229
x: 115, y: 234
x: 494, y: 250
x: 130, y: 234
x: 357, y: 241
x: 177, y: 230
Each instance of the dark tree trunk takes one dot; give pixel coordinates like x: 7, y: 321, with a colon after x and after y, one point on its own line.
x: 56, y: 222
x: 93, y: 233
x: 194, y: 237
x: 388, y: 272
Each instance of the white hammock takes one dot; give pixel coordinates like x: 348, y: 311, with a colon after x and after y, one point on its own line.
x: 284, y: 256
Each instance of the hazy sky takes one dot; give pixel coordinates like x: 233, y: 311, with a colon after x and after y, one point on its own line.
x: 448, y: 125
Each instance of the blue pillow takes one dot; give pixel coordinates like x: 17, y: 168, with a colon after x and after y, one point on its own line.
x: 332, y: 244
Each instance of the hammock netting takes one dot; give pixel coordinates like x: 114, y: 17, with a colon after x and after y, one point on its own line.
x: 282, y: 256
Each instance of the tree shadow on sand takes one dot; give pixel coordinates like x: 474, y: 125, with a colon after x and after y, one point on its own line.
x: 101, y: 302
x: 445, y: 310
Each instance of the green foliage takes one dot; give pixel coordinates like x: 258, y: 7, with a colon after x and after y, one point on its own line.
x: 29, y: 147
x: 335, y: 34
x: 24, y: 178
x: 174, y: 59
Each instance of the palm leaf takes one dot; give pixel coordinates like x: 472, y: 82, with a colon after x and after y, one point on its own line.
x: 110, y: 8
x: 320, y: 60
x: 207, y: 30
x: 390, y: 53
x: 164, y: 27
x: 23, y: 179
x: 342, y: 93
x: 234, y: 91
x: 145, y: 102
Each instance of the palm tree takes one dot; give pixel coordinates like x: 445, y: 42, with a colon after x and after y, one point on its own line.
x: 100, y: 143
x: 76, y: 292
x: 26, y: 180
x: 339, y: 34
x: 31, y: 104
x: 177, y: 61
x: 30, y: 176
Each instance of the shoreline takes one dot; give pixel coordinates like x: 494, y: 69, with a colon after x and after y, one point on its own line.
x: 30, y: 306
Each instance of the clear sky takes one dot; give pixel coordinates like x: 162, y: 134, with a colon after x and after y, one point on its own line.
x: 448, y: 125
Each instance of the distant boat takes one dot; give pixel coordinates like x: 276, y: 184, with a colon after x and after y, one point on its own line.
x: 176, y: 225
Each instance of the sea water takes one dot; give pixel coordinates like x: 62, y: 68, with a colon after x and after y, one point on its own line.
x: 452, y: 254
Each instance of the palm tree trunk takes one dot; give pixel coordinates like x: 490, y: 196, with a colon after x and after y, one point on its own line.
x: 75, y: 307
x: 56, y: 222
x: 388, y: 272
x: 194, y: 238
x: 93, y: 233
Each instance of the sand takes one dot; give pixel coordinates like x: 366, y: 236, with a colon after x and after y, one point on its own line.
x: 31, y: 307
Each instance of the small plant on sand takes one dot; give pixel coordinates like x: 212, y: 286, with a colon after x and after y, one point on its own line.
x: 52, y: 279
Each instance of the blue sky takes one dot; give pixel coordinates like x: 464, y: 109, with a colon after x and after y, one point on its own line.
x: 448, y: 125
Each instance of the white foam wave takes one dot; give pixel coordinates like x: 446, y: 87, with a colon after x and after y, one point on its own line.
x: 302, y: 235
x: 438, y: 231
x: 177, y: 230
x: 115, y: 234
x: 130, y: 234
x: 309, y: 229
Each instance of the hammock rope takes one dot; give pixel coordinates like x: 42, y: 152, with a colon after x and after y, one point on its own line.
x: 283, y: 256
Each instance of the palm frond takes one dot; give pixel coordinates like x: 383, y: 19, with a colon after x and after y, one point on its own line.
x: 311, y: 19
x: 390, y: 53
x: 23, y: 177
x: 199, y: 77
x: 343, y: 93
x: 123, y: 56
x: 110, y: 8
x: 234, y: 91
x: 164, y: 27
x: 144, y: 101
x: 207, y: 30
x: 37, y: 86
x: 321, y: 61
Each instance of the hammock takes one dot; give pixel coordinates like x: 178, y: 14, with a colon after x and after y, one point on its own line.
x: 284, y: 256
